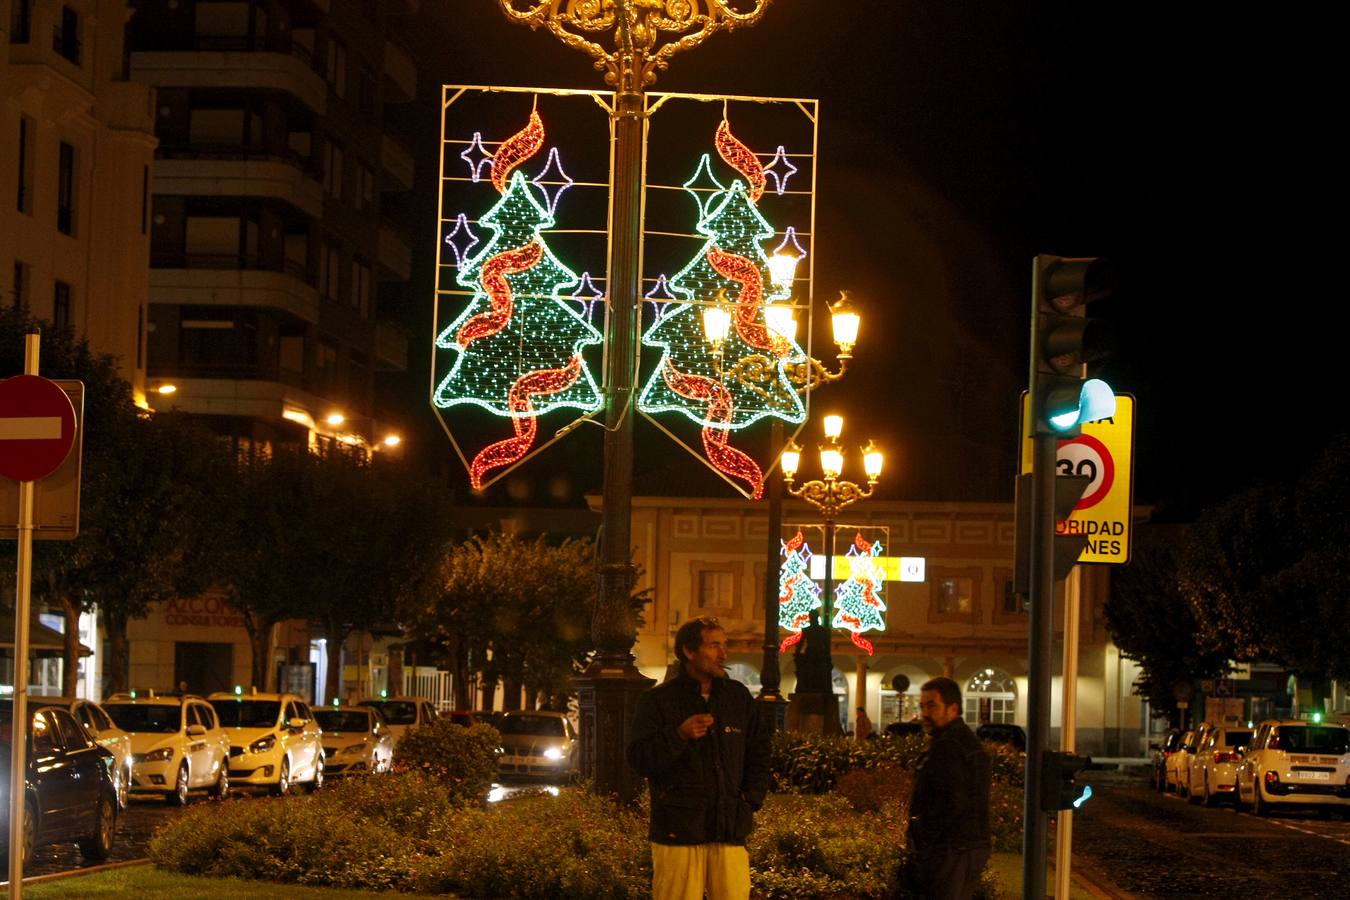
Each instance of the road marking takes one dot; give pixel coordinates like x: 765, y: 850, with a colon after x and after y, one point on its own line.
x: 1313, y: 833
x: 30, y: 428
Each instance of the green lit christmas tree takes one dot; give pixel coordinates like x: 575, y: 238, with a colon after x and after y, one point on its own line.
x: 858, y: 606
x: 798, y: 594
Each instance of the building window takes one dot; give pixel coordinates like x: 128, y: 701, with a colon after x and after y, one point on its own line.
x: 954, y: 595
x: 335, y: 68
x: 330, y: 261
x: 332, y: 168
x: 327, y: 368
x: 990, y: 696
x: 19, y: 288
x: 66, y: 35
x: 291, y: 350
x: 21, y: 21
x: 65, y: 190
x: 362, y: 281
x: 365, y: 187
x: 715, y: 591
x: 62, y: 314
x: 27, y: 136
x: 365, y: 90
x: 1009, y: 609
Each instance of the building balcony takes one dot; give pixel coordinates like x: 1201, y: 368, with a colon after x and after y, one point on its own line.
x: 223, y: 280
x: 264, y: 70
x: 397, y: 163
x: 279, y: 179
x: 222, y: 396
x: 391, y: 346
x: 400, y: 73
x: 395, y: 257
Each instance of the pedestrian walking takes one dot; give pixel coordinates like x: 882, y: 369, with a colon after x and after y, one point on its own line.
x: 698, y: 741
x: 949, y: 811
x: 863, y: 729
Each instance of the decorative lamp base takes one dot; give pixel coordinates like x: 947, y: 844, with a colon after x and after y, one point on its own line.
x: 814, y: 714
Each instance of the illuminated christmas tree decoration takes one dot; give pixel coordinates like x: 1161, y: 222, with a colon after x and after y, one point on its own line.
x: 704, y: 187
x: 798, y: 595
x: 516, y: 149
x: 752, y: 365
x: 477, y: 157
x: 740, y: 158
x: 780, y: 180
x: 452, y: 240
x: 587, y: 295
x: 500, y: 298
x: 858, y: 606
x: 790, y: 246
x: 527, y: 386
x: 720, y: 409
x: 561, y: 180
x: 660, y: 296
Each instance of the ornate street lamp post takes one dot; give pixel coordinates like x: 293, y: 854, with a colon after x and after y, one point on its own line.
x: 645, y: 35
x: 829, y: 495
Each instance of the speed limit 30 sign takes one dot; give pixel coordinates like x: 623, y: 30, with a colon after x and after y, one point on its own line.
x: 1104, y: 452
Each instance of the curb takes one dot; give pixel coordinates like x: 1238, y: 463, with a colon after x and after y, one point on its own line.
x: 73, y: 873
x: 1096, y: 884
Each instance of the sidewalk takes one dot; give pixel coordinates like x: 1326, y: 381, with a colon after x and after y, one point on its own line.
x: 1084, y: 884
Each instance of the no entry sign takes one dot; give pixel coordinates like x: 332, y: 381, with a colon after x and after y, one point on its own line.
x: 37, y: 427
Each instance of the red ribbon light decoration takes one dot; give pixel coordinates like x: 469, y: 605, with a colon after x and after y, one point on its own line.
x: 515, y: 150
x: 739, y: 157
x: 726, y: 458
x: 749, y: 301
x: 495, y: 285
x: 503, y: 453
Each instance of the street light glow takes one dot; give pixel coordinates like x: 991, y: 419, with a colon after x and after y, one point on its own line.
x: 167, y: 388
x: 831, y: 462
x: 335, y: 419
x: 716, y: 324
x: 872, y: 461
x: 392, y: 440
x: 779, y: 319
x: 834, y: 426
x: 792, y: 459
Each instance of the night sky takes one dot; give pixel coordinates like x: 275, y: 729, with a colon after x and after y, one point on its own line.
x: 957, y: 140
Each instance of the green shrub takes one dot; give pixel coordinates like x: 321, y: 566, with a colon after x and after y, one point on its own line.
x: 868, y: 790
x: 464, y: 759
x: 820, y: 847
x: 1005, y: 816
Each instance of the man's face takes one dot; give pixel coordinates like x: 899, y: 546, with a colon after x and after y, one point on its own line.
x: 709, y: 660
x: 934, y: 713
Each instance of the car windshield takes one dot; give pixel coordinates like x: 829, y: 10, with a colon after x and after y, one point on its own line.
x: 545, y: 726
x: 396, y: 712
x: 1236, y: 738
x: 1313, y: 739
x: 344, y: 720
x: 247, y: 713
x: 157, y: 718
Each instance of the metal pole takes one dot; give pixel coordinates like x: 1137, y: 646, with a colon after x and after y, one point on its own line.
x: 18, y: 742
x: 773, y: 709
x: 829, y: 596
x: 1073, y: 593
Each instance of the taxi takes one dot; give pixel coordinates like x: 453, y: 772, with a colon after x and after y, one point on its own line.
x: 356, y: 740
x: 177, y: 744
x: 402, y: 714
x: 1294, y: 762
x: 274, y: 742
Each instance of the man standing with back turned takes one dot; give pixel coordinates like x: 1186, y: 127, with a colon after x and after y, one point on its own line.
x: 949, y: 811
x: 698, y: 741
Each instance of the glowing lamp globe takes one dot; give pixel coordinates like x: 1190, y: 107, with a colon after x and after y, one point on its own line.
x: 716, y: 324
x: 872, y: 461
x: 792, y: 459
x: 834, y: 426
x: 783, y: 268
x: 831, y: 462
x: 780, y: 320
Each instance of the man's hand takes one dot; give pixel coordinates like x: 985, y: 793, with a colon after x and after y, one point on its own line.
x: 695, y: 727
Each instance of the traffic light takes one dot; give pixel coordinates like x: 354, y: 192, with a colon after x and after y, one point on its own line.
x: 1068, y: 547
x: 1059, y: 790
x: 1065, y: 341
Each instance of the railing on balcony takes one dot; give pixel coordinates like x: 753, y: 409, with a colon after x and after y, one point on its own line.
x: 310, y: 167
x: 173, y: 259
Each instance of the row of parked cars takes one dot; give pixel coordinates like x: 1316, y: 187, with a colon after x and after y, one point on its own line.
x: 1280, y: 763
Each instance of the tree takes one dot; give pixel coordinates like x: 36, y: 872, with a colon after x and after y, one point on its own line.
x: 518, y: 341
x: 1151, y: 621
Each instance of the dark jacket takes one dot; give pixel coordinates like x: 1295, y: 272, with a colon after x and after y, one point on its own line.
x: 703, y: 791
x: 950, y: 806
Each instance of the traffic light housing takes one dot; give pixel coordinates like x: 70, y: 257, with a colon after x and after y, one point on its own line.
x: 1059, y: 790
x: 1065, y: 341
x: 1068, y: 547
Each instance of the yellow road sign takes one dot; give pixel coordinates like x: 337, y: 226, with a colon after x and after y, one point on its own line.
x: 1105, y: 453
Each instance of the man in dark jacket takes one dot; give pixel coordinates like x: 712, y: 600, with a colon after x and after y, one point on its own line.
x: 949, y: 810
x: 698, y: 741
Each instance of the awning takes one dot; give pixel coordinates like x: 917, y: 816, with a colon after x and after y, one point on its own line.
x: 43, y: 641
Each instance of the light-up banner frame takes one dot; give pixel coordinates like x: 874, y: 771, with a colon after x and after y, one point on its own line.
x: 522, y: 251
x: 860, y: 576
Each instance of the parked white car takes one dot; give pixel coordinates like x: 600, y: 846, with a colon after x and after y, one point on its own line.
x: 356, y: 740
x: 177, y: 744
x: 1296, y: 763
x: 107, y: 735
x: 1214, y: 768
x: 274, y: 741
x: 1179, y: 763
x: 402, y: 714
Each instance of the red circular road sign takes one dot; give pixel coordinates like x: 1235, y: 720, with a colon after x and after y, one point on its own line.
x: 37, y: 427
x: 1086, y: 455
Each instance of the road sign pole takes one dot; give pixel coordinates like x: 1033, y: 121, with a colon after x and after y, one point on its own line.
x: 18, y: 742
x: 1068, y: 740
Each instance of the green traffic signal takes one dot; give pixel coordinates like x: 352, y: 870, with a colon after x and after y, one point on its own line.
x: 1064, y: 341
x: 1067, y: 403
x: 1059, y: 790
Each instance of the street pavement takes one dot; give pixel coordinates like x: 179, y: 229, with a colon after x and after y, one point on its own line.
x: 1147, y: 844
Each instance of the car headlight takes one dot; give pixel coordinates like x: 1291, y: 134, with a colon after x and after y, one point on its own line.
x: 161, y: 755
x: 553, y: 753
x: 354, y: 748
x: 263, y: 744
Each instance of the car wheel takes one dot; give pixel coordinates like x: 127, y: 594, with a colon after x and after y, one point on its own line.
x: 221, y: 789
x: 317, y: 783
x: 1259, y: 804
x: 122, y: 786
x: 98, y: 846
x: 179, y: 795
x: 284, y: 779
x: 1208, y: 798
x: 29, y: 835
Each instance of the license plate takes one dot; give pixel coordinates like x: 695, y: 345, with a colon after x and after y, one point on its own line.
x: 1315, y: 776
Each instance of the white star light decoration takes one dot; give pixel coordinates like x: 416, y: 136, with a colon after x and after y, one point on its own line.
x: 771, y: 170
x: 587, y: 295
x: 790, y: 240
x: 561, y: 180
x: 452, y: 240
x: 704, y: 184
x: 660, y: 296
x: 476, y: 163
